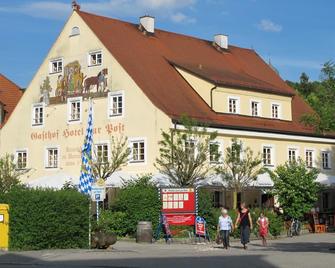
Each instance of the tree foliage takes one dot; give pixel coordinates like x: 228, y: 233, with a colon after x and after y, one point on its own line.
x: 240, y: 167
x: 296, y: 187
x: 104, y: 167
x: 9, y: 175
x: 139, y: 200
x: 184, y: 154
x: 320, y: 95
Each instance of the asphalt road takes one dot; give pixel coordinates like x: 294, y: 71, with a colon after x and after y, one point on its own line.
x: 314, y: 250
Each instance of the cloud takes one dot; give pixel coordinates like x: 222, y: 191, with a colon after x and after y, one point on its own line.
x: 167, y: 9
x: 269, y: 26
x: 45, y: 9
x: 296, y: 63
x: 181, y: 17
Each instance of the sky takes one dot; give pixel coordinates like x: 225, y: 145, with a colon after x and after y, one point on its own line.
x: 295, y: 35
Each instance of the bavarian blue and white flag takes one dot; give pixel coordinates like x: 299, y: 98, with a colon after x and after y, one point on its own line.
x: 86, y: 174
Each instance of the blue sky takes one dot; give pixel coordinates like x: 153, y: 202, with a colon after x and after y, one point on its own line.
x: 297, y: 35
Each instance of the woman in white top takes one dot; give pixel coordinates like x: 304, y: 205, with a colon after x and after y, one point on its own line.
x: 225, y: 226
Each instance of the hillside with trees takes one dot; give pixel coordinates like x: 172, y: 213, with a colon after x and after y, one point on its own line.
x: 320, y: 95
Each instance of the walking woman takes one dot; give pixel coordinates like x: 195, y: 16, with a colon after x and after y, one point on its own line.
x: 225, y: 226
x: 245, y: 222
x: 263, y: 224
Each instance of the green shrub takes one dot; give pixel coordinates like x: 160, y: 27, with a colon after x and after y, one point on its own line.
x: 139, y: 200
x: 112, y: 222
x: 45, y: 218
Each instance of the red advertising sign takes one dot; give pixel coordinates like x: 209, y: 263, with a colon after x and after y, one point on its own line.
x: 180, y: 219
x: 178, y: 200
x: 178, y: 205
x: 200, y: 226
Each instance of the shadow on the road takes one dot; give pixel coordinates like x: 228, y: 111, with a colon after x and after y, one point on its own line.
x: 298, y: 247
x: 17, y: 260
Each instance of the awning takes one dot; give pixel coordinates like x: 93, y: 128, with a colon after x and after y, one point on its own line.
x: 55, y: 181
x: 326, y: 180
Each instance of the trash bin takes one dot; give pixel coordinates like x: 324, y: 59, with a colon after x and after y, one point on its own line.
x: 144, y: 232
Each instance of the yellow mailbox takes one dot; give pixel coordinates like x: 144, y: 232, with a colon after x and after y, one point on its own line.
x: 4, y: 226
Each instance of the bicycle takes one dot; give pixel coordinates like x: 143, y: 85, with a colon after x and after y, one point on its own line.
x: 294, y: 228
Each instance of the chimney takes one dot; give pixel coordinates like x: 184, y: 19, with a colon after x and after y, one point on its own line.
x: 221, y: 41
x: 147, y: 24
x: 75, y: 6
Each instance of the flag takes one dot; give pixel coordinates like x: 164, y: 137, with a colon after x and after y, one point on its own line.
x: 86, y: 174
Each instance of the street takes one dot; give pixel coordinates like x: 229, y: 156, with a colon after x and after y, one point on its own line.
x: 312, y: 250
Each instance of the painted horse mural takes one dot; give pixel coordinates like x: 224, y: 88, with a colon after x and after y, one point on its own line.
x: 99, y: 81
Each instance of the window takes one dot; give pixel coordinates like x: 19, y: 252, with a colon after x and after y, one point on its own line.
x: 75, y: 31
x: 255, y: 108
x: 56, y: 66
x: 190, y: 148
x: 137, y: 151
x: 267, y: 156
x: 309, y: 158
x: 21, y: 159
x: 52, y: 158
x: 325, y: 200
x: 292, y: 155
x: 115, y: 104
x: 275, y: 111
x: 233, y: 105
x: 101, y: 153
x: 74, y: 109
x: 37, y: 114
x: 214, y: 152
x: 95, y: 58
x: 325, y: 160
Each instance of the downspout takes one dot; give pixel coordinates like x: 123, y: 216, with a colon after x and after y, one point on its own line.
x: 211, y: 96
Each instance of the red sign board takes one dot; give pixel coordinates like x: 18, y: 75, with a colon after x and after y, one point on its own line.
x: 180, y: 219
x: 200, y: 226
x: 178, y: 200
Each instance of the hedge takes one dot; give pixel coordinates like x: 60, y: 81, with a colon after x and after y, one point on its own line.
x: 46, y: 218
x: 138, y: 200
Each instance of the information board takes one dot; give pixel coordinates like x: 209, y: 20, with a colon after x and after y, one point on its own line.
x: 98, y: 193
x: 178, y: 200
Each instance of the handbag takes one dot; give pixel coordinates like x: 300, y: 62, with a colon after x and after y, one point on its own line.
x: 218, y: 239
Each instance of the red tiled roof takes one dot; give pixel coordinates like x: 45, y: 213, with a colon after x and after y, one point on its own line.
x: 149, y: 60
x: 10, y: 94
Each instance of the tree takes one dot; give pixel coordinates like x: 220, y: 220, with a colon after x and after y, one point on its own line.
x: 184, y: 154
x: 240, y: 167
x: 320, y: 95
x: 104, y: 167
x: 296, y: 187
x: 9, y: 174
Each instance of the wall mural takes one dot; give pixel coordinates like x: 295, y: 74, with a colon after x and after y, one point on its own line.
x: 74, y: 83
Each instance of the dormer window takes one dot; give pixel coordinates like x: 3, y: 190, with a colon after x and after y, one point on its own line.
x: 255, y: 108
x: 95, y: 58
x: 233, y: 105
x: 56, y: 66
x: 275, y: 111
x: 75, y: 31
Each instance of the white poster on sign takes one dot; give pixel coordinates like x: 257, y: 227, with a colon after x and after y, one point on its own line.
x: 98, y: 193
